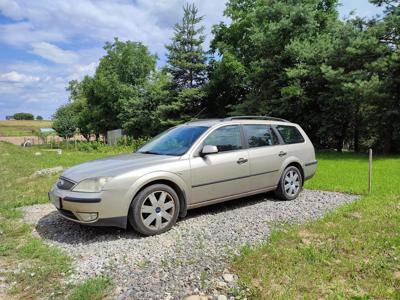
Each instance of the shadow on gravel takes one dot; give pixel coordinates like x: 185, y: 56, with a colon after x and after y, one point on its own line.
x: 54, y: 227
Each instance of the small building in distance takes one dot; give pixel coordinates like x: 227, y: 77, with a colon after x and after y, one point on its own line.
x: 9, y: 118
x: 46, y: 131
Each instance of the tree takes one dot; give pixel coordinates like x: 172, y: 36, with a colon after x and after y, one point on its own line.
x: 65, y: 121
x: 39, y: 118
x: 23, y: 116
x: 186, y: 58
x: 260, y: 42
x: 187, y: 65
x: 387, y: 66
x: 227, y: 86
x: 78, y: 104
x: 121, y: 73
x: 298, y: 60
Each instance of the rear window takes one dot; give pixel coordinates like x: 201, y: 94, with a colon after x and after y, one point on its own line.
x: 260, y: 136
x: 290, y: 134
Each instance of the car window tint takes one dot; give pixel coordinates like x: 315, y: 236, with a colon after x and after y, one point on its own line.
x: 226, y: 138
x: 290, y: 134
x: 260, y: 136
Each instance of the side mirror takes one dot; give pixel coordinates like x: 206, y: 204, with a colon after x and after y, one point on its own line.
x: 208, y: 149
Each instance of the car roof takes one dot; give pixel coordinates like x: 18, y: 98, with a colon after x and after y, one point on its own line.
x: 241, y: 120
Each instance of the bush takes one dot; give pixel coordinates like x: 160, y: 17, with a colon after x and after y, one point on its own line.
x: 23, y: 116
x: 84, y: 146
x: 133, y: 143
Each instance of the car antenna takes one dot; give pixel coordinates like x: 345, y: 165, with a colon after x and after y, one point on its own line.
x: 198, y: 114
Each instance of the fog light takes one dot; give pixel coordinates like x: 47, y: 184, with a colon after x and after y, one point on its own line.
x: 87, y: 217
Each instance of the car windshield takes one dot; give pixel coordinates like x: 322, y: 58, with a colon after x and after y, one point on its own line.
x: 175, y: 141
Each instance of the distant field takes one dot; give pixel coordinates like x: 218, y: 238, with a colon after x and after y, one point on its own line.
x: 21, y: 128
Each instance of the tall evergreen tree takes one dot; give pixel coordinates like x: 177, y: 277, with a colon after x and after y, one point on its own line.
x: 186, y: 57
x: 187, y: 64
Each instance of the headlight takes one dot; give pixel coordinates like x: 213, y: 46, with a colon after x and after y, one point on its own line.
x: 91, y: 185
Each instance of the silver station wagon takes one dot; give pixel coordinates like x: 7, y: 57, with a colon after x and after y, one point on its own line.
x: 191, y: 165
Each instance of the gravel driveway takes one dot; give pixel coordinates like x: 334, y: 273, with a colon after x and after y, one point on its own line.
x: 189, y: 259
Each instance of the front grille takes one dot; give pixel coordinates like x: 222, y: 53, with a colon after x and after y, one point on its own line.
x: 65, y: 184
x: 67, y: 213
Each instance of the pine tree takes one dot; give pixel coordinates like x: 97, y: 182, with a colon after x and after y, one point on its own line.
x: 187, y: 65
x: 186, y: 58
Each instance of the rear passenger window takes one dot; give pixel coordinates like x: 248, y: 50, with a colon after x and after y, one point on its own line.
x: 227, y: 138
x: 290, y: 134
x: 260, y: 136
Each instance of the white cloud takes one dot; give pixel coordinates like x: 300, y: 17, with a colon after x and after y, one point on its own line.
x: 11, y: 9
x: 17, y: 77
x: 26, y: 32
x: 70, y: 36
x: 79, y: 71
x: 54, y: 54
x: 49, y: 21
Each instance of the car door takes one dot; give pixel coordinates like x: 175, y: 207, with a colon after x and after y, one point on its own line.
x: 266, y: 155
x: 222, y: 174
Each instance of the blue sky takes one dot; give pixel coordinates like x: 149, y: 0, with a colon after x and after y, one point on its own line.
x: 46, y: 43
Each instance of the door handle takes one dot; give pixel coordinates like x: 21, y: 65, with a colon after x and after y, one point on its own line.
x: 282, y: 153
x: 242, y: 161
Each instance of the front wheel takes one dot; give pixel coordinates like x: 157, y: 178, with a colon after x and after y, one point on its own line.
x: 154, y: 210
x: 290, y: 184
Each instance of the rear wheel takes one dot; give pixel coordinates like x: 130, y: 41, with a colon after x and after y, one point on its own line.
x: 290, y: 184
x: 154, y: 210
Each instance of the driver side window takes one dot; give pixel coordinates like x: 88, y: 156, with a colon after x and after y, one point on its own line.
x: 227, y: 138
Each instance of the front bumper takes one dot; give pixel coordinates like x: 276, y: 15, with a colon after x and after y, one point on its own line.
x: 97, y: 209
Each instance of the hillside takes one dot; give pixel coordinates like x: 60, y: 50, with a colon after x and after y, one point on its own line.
x: 21, y: 127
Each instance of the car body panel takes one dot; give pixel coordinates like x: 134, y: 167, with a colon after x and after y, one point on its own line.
x: 219, y: 175
x: 115, y: 165
x: 265, y: 164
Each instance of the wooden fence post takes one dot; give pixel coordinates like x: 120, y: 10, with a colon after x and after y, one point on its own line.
x: 370, y: 171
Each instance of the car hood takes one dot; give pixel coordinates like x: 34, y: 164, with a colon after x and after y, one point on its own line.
x: 115, y: 165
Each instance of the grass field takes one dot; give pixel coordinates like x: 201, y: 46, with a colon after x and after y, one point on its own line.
x: 21, y: 127
x: 41, y: 270
x: 353, y: 252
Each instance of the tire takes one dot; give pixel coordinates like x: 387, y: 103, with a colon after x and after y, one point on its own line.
x: 290, y: 185
x: 154, y: 210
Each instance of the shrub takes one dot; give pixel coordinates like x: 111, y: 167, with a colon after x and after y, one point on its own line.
x: 132, y: 142
x: 23, y: 116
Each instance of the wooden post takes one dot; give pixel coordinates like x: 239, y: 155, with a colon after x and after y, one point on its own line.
x: 370, y: 171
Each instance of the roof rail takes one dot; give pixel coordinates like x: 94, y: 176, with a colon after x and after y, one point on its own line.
x: 255, y: 118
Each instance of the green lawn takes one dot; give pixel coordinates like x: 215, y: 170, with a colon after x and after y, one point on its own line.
x: 42, y: 269
x: 353, y: 252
